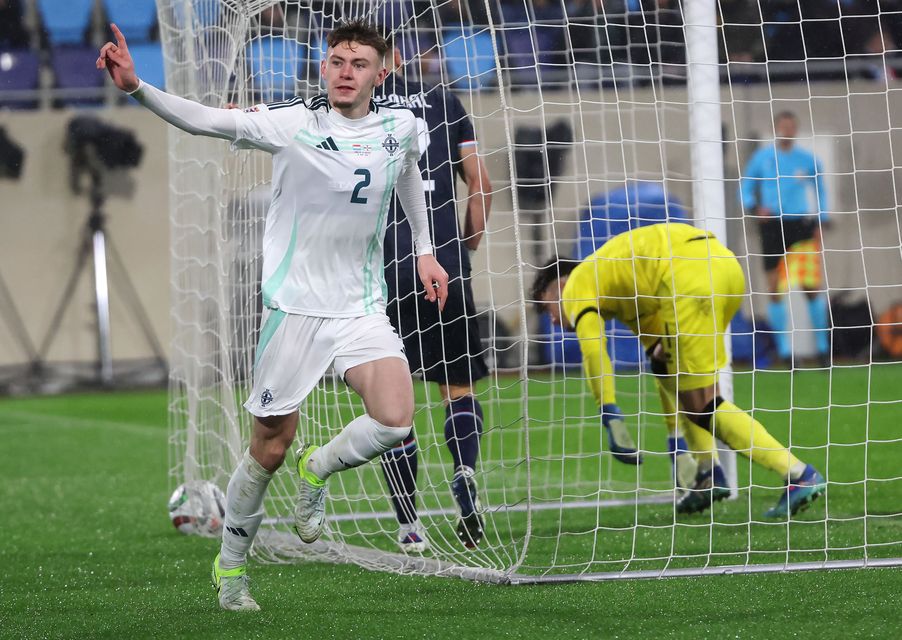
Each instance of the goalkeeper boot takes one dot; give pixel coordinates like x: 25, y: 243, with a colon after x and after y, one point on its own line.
x: 310, y: 509
x: 621, y: 442
x: 470, y: 528
x: 799, y: 494
x: 412, y: 538
x: 709, y: 487
x: 683, y: 466
x: 232, y: 588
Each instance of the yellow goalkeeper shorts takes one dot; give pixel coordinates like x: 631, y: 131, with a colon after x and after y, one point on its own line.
x: 699, y: 295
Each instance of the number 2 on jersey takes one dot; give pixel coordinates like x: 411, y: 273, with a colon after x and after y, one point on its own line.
x: 365, y: 182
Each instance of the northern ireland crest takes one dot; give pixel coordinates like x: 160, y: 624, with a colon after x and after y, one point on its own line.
x: 390, y: 144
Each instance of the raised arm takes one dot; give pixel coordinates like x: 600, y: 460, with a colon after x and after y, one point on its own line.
x: 185, y: 114
x: 479, y: 196
x: 189, y: 116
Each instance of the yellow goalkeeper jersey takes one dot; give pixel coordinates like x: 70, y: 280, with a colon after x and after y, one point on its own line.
x: 636, y: 277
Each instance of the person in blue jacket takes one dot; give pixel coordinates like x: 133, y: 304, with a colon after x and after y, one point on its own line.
x: 782, y: 186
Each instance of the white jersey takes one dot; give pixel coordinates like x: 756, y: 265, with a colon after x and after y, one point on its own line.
x: 332, y: 184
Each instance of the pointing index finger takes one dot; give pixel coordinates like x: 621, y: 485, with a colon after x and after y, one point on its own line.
x: 120, y: 39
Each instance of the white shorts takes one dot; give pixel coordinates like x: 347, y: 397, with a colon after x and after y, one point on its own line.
x: 294, y: 352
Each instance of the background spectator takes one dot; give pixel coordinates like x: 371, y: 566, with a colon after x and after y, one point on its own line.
x: 742, y: 40
x: 875, y: 48
x: 13, y: 34
x: 596, y: 29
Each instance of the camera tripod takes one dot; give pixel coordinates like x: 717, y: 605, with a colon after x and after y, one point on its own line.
x: 97, y: 245
x: 14, y: 321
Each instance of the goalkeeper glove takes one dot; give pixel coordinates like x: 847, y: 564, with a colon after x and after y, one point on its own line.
x: 619, y: 439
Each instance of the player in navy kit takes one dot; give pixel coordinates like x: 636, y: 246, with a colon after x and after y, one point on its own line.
x: 444, y: 346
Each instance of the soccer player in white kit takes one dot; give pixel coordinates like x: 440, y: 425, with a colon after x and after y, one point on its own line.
x: 336, y: 160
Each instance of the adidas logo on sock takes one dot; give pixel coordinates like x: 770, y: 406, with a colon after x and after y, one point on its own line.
x: 328, y: 144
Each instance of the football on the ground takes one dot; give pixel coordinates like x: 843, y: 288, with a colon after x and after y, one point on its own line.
x: 198, y: 508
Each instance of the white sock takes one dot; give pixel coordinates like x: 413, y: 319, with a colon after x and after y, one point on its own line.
x: 244, y: 511
x: 796, y: 470
x: 362, y: 440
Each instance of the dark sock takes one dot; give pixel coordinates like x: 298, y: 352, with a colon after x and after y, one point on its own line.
x: 400, y: 468
x: 463, y: 428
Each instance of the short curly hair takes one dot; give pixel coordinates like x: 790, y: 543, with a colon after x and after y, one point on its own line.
x: 361, y: 32
x: 552, y: 270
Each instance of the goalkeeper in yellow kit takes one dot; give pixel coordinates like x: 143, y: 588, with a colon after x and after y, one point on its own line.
x: 677, y: 288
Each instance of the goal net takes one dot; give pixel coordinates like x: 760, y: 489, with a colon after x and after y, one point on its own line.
x: 592, y: 118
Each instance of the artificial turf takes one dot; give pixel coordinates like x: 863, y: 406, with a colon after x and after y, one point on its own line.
x: 87, y: 549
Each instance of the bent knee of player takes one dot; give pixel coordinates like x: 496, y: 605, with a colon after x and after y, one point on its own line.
x: 271, y: 439
x: 400, y: 418
x: 398, y: 415
x: 696, y: 403
x: 451, y: 392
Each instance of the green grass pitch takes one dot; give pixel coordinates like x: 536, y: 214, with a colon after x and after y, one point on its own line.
x: 87, y: 550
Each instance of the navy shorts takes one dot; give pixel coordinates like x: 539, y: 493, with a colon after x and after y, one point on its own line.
x: 445, y: 347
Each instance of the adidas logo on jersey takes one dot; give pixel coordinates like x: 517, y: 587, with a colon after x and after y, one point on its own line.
x: 328, y: 144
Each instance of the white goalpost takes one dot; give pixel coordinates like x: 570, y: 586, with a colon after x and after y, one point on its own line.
x: 703, y: 84
x: 592, y: 119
